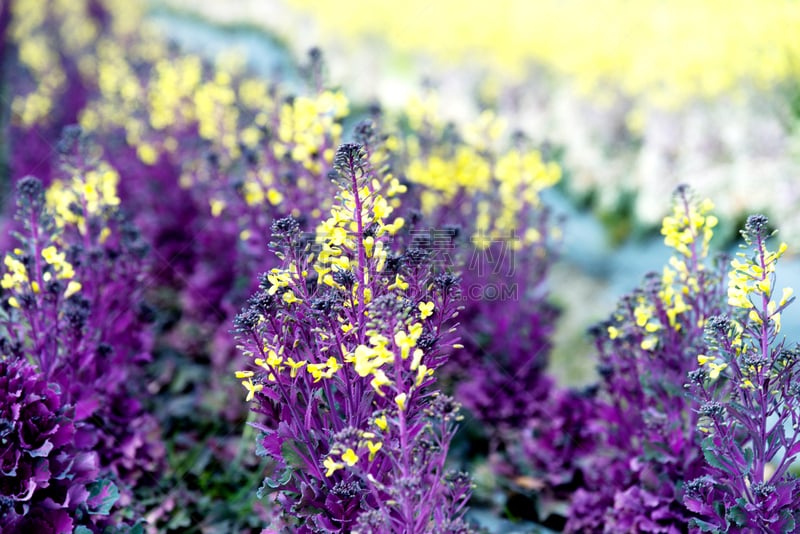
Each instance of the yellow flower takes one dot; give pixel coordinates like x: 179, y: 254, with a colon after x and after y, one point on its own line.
x: 417, y: 359
x: 422, y: 372
x: 251, y: 388
x: 379, y: 379
x: 350, y: 457
x: 273, y: 360
x: 702, y: 359
x: 72, y: 288
x: 364, y: 358
x: 217, y: 206
x: 425, y: 309
x: 295, y: 366
x: 613, y: 332
x: 373, y: 449
x: 333, y: 366
x: 381, y: 422
x: 369, y: 245
x: 401, y: 399
x: 52, y: 256
x: 290, y: 297
x: 399, y: 283
x: 787, y: 293
x: 405, y: 342
x: 716, y: 369
x: 331, y: 466
x: 323, y: 370
x: 649, y: 343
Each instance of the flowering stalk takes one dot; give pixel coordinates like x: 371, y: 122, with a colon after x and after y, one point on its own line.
x: 747, y: 387
x: 73, y: 311
x: 345, y: 336
x: 642, y: 420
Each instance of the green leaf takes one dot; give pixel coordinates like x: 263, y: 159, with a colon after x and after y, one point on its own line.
x: 271, y: 483
x: 80, y: 529
x: 737, y: 514
x: 709, y: 452
x: 704, y: 526
x: 102, y: 496
x: 291, y: 456
x: 789, y: 522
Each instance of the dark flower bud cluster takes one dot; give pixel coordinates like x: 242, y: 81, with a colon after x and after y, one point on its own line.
x: 755, y: 228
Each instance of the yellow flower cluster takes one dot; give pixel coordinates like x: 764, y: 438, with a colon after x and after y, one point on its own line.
x: 92, y: 192
x: 338, y: 233
x: 367, y: 206
x: 308, y: 129
x: 251, y: 387
x: 521, y: 177
x: 754, y: 277
x: 176, y: 93
x: 715, y: 365
x: 751, y: 288
x: 38, y: 52
x: 322, y: 370
x: 644, y: 315
x: 368, y: 359
x: 18, y: 279
x: 180, y: 92
x: 661, y: 51
x: 216, y: 112
x: 688, y: 230
x: 349, y: 456
x: 309, y: 125
x: 44, y: 29
x: 503, y: 186
x: 688, y: 226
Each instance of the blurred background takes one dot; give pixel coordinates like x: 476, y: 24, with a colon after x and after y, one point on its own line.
x: 635, y: 97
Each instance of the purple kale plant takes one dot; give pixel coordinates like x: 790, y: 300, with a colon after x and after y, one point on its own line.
x: 345, y: 336
x: 72, y: 302
x: 746, y: 389
x: 642, y: 445
x: 46, y: 482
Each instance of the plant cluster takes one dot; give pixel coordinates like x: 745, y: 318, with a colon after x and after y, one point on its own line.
x: 646, y: 425
x: 659, y: 443
x: 47, y: 481
x: 374, y: 287
x: 75, y: 332
x: 746, y: 391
